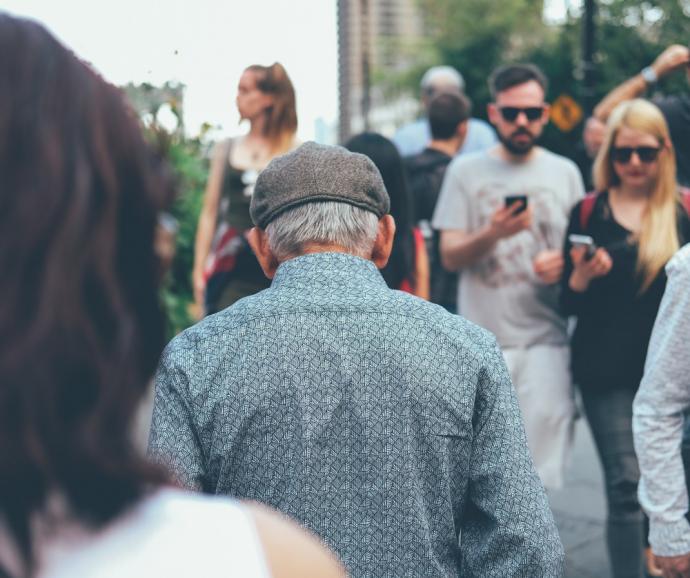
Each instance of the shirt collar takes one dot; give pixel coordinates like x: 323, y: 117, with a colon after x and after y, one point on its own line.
x: 332, y: 269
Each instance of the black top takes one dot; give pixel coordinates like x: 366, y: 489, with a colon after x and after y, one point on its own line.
x: 614, y: 321
x: 426, y: 171
x: 676, y: 109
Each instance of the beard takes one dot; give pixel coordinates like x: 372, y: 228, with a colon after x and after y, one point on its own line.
x: 518, y: 147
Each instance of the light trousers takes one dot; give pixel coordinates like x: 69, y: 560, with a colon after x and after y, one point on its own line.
x: 542, y: 380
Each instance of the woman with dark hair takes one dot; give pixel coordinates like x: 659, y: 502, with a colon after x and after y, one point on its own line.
x: 225, y: 268
x: 408, y: 266
x: 81, y: 332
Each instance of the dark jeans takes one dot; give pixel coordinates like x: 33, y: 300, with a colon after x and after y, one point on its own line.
x: 609, y: 414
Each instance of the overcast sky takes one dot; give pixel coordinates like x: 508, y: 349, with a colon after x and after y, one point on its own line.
x: 205, y: 44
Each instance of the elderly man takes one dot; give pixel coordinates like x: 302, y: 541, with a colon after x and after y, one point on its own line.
x: 413, y: 137
x: 658, y: 415
x: 377, y: 420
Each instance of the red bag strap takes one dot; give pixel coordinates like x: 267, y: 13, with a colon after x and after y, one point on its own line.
x: 685, y: 199
x: 587, y: 207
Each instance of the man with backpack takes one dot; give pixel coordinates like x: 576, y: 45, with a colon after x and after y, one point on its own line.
x: 448, y: 119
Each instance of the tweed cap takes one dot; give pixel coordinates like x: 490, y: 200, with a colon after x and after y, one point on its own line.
x: 313, y: 173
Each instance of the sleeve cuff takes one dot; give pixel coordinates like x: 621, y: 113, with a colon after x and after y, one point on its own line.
x: 669, y: 538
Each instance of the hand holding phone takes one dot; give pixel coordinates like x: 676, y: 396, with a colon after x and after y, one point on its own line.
x: 584, y: 241
x: 511, y: 199
x: 595, y: 262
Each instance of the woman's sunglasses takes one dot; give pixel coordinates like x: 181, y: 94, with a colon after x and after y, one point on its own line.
x: 624, y: 154
x: 510, y: 113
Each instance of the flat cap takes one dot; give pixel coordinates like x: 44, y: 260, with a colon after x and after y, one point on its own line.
x: 312, y: 173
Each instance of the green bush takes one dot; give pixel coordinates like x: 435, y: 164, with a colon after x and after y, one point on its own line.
x: 188, y: 158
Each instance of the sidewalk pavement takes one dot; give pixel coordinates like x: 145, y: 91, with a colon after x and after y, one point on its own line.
x: 580, y: 510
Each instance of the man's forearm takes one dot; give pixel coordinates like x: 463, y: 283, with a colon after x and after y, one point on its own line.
x: 631, y: 88
x: 457, y: 253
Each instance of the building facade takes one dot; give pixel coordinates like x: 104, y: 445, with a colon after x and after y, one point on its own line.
x: 377, y: 40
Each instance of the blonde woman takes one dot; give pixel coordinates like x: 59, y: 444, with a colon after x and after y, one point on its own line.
x: 637, y: 221
x: 225, y: 268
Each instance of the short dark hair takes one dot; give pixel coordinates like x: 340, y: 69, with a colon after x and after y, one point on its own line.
x: 446, y: 111
x: 510, y: 75
x: 81, y: 326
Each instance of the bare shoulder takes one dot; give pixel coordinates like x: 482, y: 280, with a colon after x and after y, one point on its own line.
x: 292, y: 552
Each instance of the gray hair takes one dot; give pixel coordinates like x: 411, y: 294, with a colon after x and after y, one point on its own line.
x: 330, y: 223
x: 441, y: 78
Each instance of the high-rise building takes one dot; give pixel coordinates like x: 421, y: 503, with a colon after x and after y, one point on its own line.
x: 377, y: 40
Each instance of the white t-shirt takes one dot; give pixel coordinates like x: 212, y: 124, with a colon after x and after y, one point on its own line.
x: 172, y: 534
x: 501, y: 292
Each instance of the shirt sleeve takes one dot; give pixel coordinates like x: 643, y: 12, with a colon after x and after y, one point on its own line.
x: 577, y: 186
x: 508, y: 528
x: 453, y: 206
x: 174, y: 442
x: 658, y: 416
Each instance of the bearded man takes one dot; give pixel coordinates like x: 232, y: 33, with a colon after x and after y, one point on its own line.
x: 502, y: 214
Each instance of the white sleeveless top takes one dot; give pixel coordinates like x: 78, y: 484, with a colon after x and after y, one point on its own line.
x: 172, y: 534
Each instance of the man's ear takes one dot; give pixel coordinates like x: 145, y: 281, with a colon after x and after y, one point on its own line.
x: 461, y: 131
x: 258, y: 241
x: 492, y: 113
x: 383, y: 245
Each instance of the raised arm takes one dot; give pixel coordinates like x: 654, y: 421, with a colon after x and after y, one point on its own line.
x: 658, y: 416
x: 673, y: 58
x: 508, y: 528
x: 207, y: 221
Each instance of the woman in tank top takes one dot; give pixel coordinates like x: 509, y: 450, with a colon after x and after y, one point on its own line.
x: 225, y: 268
x: 81, y: 331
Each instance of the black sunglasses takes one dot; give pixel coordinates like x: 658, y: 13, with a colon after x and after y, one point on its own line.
x: 510, y: 113
x: 624, y: 154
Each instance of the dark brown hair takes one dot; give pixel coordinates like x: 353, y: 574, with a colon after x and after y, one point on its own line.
x: 81, y: 329
x: 385, y: 155
x: 281, y: 117
x: 511, y: 75
x: 445, y: 112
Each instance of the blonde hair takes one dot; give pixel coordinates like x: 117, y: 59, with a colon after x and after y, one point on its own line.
x: 658, y: 236
x: 281, y: 117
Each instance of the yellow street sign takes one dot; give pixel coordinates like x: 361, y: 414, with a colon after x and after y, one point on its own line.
x: 566, y: 114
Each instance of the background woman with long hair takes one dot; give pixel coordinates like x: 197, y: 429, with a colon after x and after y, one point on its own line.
x: 638, y: 221
x: 408, y: 266
x: 225, y: 268
x: 81, y: 332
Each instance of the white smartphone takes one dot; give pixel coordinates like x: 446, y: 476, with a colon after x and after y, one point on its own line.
x: 583, y: 241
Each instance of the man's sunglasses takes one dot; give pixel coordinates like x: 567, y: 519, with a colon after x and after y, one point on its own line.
x: 624, y: 154
x: 510, y: 113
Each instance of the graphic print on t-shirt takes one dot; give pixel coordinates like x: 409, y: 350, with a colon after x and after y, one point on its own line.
x: 511, y: 260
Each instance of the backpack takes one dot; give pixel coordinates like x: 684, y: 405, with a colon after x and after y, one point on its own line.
x: 590, y: 199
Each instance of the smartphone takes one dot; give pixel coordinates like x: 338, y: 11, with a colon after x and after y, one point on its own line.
x: 510, y: 199
x: 583, y: 241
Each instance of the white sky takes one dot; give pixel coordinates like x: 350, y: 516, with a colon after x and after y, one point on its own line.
x: 205, y: 44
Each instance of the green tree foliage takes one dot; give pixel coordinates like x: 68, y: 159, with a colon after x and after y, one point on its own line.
x: 188, y: 159
x: 476, y: 35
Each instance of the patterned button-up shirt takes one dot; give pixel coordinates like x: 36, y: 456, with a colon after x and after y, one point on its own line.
x: 658, y: 415
x: 384, y: 424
